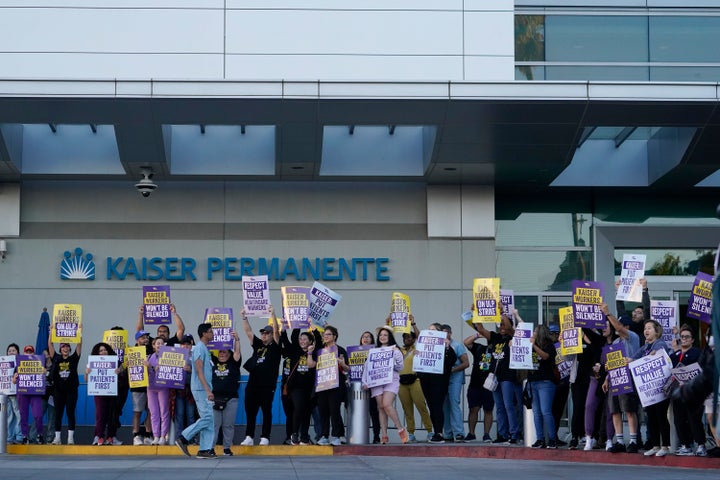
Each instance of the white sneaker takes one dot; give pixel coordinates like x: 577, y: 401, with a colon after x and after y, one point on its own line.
x: 248, y: 442
x: 162, y: 441
x: 652, y: 451
x: 155, y: 441
x: 323, y: 441
x: 71, y: 441
x: 264, y: 441
x: 116, y: 441
x: 589, y: 444
x: 662, y: 452
x: 147, y: 441
x: 343, y: 440
x: 608, y: 445
x: 95, y: 440
x: 137, y: 440
x: 701, y: 451
x: 57, y: 441
x: 684, y: 451
x: 335, y: 442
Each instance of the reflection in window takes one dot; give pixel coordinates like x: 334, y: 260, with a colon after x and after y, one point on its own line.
x: 684, y: 39
x: 596, y: 38
x: 548, y: 230
x: 680, y: 262
x: 542, y: 271
x: 529, y: 42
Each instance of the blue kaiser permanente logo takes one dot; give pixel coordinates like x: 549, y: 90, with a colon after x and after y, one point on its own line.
x: 77, y: 267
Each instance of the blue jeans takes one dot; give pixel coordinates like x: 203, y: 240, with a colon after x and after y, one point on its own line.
x: 512, y: 397
x: 14, y: 434
x: 204, y: 425
x: 453, y: 425
x: 543, y: 393
x: 184, y: 413
x: 500, y: 414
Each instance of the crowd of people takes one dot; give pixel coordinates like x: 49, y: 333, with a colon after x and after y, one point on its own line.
x: 204, y: 411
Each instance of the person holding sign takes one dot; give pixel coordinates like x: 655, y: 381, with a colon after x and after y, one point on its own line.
x: 14, y: 434
x: 435, y: 385
x: 658, y: 425
x: 225, y: 381
x: 105, y: 425
x: 262, y: 383
x: 508, y: 392
x: 329, y: 400
x: 385, y: 394
x: 300, y: 382
x: 628, y: 402
x: 687, y: 416
x: 158, y: 397
x: 542, y: 384
x: 66, y: 383
x: 33, y: 401
x: 163, y: 331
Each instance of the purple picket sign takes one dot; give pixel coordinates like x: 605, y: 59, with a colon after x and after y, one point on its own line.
x: 170, y: 369
x: 156, y: 300
x: 700, y: 301
x: 357, y: 354
x: 613, y: 356
x: 587, y: 298
x: 221, y: 319
x: 31, y: 374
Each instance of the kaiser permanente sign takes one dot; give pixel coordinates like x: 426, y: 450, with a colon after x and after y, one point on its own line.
x: 233, y: 269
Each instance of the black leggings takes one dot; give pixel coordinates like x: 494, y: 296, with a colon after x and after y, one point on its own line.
x: 329, y: 402
x: 257, y: 398
x: 65, y: 400
x: 435, y: 394
x: 302, y: 408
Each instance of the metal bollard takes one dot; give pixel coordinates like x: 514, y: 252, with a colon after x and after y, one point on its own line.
x: 529, y: 432
x: 359, y: 407
x: 3, y: 424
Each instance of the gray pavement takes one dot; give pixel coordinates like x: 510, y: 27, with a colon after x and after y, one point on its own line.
x: 18, y: 467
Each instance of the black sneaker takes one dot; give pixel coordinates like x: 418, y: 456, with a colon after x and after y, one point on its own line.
x: 25, y: 441
x: 227, y: 452
x: 460, y: 438
x: 617, y: 448
x: 538, y: 444
x: 182, y: 445
x: 573, y: 444
x: 437, y: 438
x: 512, y: 441
x: 552, y: 444
x: 560, y: 443
x: 632, y: 447
x: 500, y: 439
x: 287, y: 441
x: 294, y: 440
x: 470, y: 437
x: 204, y: 454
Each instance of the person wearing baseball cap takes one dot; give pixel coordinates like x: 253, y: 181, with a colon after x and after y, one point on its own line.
x: 66, y: 383
x: 261, y: 385
x: 34, y: 403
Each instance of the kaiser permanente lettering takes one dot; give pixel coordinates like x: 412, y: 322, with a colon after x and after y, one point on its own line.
x: 234, y: 268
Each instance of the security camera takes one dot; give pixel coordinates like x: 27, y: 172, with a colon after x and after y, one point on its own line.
x: 146, y: 185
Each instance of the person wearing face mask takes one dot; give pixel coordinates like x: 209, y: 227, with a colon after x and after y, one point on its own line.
x: 687, y: 417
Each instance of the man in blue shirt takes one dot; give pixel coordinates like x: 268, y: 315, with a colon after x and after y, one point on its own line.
x: 200, y: 385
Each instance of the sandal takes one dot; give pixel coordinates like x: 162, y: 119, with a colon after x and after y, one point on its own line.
x: 384, y: 440
x: 403, y: 434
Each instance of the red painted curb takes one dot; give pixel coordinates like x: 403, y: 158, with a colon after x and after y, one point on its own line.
x: 523, y: 453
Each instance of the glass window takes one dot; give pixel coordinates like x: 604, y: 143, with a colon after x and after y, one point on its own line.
x: 544, y: 230
x: 684, y: 39
x: 596, y: 38
x: 677, y: 262
x: 582, y: 72
x: 542, y: 271
x: 527, y: 72
x: 529, y: 38
x: 684, y: 74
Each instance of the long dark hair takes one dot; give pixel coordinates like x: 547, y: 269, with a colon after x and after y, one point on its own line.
x: 96, y: 349
x: 391, y: 337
